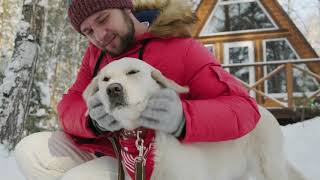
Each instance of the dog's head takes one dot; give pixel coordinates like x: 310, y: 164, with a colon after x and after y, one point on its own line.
x: 124, y: 87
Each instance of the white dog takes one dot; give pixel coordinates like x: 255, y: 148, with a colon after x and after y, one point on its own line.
x: 259, y: 154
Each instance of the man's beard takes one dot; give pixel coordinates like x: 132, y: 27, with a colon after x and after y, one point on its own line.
x: 127, y: 39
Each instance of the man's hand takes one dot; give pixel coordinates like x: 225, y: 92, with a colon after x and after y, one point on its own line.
x: 101, y: 119
x: 164, y: 112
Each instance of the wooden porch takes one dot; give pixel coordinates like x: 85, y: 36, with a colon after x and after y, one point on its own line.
x: 289, y: 108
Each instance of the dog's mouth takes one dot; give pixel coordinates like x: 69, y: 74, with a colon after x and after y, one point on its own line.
x: 128, y: 113
x: 117, y: 103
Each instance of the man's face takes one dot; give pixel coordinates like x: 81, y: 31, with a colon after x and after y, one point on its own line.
x: 111, y: 30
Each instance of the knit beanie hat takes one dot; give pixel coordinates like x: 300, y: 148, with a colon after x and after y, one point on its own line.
x: 79, y: 10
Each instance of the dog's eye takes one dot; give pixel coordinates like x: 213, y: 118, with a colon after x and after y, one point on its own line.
x: 132, y: 72
x: 106, y: 79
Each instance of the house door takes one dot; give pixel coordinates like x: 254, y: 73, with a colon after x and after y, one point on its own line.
x: 240, y: 53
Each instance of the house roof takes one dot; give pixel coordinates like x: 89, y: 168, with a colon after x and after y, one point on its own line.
x: 286, y: 28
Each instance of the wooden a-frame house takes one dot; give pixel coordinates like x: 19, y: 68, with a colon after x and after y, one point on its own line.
x: 257, y: 42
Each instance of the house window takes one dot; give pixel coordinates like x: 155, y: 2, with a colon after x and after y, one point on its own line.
x: 210, y: 47
x: 281, y: 49
x: 238, y: 16
x: 240, y: 53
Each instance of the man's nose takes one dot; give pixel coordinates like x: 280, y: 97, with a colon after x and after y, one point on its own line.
x: 115, y: 90
x: 101, y: 35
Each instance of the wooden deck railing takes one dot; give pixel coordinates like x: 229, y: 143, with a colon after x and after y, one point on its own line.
x: 288, y: 66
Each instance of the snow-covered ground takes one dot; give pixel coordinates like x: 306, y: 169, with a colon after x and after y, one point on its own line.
x: 8, y: 166
x: 302, y: 142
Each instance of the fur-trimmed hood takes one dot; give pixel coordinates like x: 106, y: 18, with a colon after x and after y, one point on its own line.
x: 176, y: 17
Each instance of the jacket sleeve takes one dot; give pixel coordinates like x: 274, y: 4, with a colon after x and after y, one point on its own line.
x: 217, y: 108
x: 72, y: 108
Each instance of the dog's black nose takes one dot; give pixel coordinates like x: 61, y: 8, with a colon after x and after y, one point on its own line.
x: 114, y: 90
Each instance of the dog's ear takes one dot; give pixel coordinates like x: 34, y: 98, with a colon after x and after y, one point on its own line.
x: 91, y: 89
x: 167, y: 83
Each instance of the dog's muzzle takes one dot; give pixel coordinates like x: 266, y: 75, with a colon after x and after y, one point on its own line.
x: 116, y: 95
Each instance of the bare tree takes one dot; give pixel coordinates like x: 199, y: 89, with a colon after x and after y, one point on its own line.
x: 19, y: 75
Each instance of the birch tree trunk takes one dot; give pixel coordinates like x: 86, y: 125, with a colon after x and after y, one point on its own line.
x: 3, y: 15
x: 17, y: 83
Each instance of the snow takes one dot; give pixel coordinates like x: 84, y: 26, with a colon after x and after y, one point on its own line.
x: 8, y: 166
x: 301, y: 143
x: 23, y: 27
x: 43, y: 3
x: 40, y: 3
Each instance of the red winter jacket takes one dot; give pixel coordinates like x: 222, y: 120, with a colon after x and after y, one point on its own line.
x: 217, y: 108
